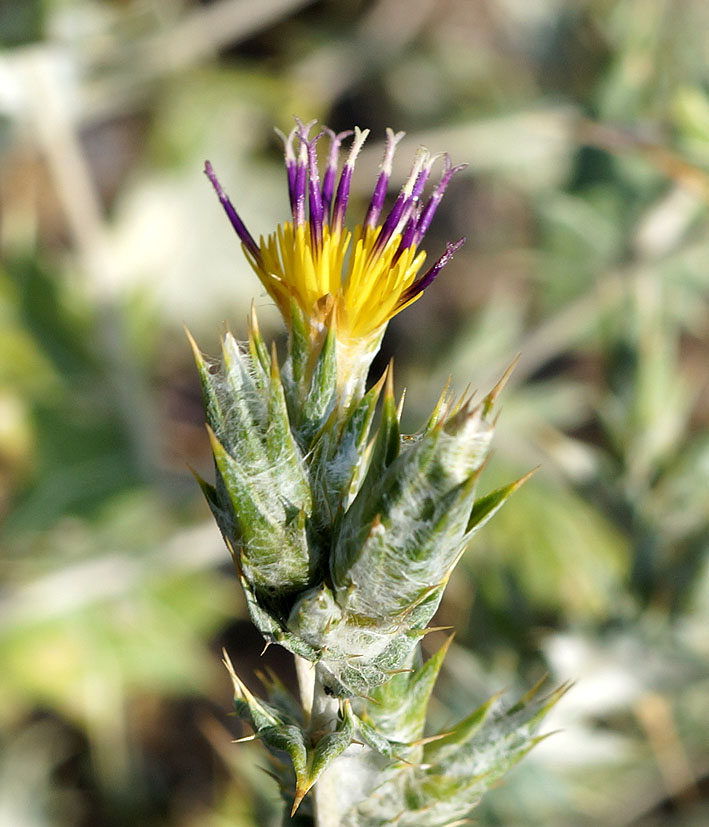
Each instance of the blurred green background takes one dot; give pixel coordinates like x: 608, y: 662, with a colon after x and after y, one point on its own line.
x: 586, y: 128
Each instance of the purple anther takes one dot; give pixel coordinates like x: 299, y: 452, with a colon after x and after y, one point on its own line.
x: 404, y: 204
x: 343, y: 193
x: 290, y: 163
x: 423, y: 176
x: 380, y: 189
x: 315, y: 196
x: 236, y: 222
x: 328, y: 183
x: 399, y: 213
x: 432, y: 204
x: 301, y: 172
x: 409, y: 233
x: 427, y: 278
x: 343, y: 187
x: 301, y: 177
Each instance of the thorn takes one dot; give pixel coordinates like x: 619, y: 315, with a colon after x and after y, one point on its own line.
x: 404, y: 761
x: 426, y: 594
x: 398, y: 671
x: 429, y: 629
x: 299, y: 796
x: 529, y: 694
x: 443, y: 398
x: 275, y: 370
x: 539, y: 738
x: 464, y: 400
x: 389, y: 392
x: 491, y: 398
x: 213, y: 439
x: 227, y: 661
x: 233, y: 553
x: 245, y: 739
x: 431, y: 738
x: 200, y: 479
x: 190, y: 338
x: 379, y: 384
x: 251, y: 318
x: 237, y: 684
x: 521, y: 481
x: 400, y: 406
x: 196, y: 352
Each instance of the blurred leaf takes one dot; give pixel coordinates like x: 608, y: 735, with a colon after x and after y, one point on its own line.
x: 142, y: 629
x: 560, y: 553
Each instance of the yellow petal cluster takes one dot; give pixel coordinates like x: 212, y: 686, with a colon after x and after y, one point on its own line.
x: 361, y: 287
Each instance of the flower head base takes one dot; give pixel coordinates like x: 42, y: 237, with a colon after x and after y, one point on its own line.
x: 351, y: 280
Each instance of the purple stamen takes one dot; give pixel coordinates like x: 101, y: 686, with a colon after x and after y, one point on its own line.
x: 404, y: 204
x: 328, y: 184
x: 316, y: 205
x: 410, y: 215
x: 421, y: 284
x: 301, y: 176
x: 301, y: 172
x: 290, y: 162
x: 236, y: 222
x: 407, y: 237
x: 380, y: 189
x: 343, y: 194
x: 422, y: 177
x: 343, y: 187
x: 435, y: 199
x: 400, y: 212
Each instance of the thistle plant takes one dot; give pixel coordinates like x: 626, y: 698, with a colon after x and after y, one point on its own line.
x: 344, y: 534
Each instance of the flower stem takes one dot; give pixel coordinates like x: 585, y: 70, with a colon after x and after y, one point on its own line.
x: 320, y: 713
x: 305, y: 673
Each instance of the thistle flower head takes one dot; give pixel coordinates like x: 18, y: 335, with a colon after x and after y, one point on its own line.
x: 352, y: 280
x: 345, y: 532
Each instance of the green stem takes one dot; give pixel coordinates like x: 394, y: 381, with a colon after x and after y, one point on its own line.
x: 320, y: 713
x: 305, y: 673
x: 323, y: 719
